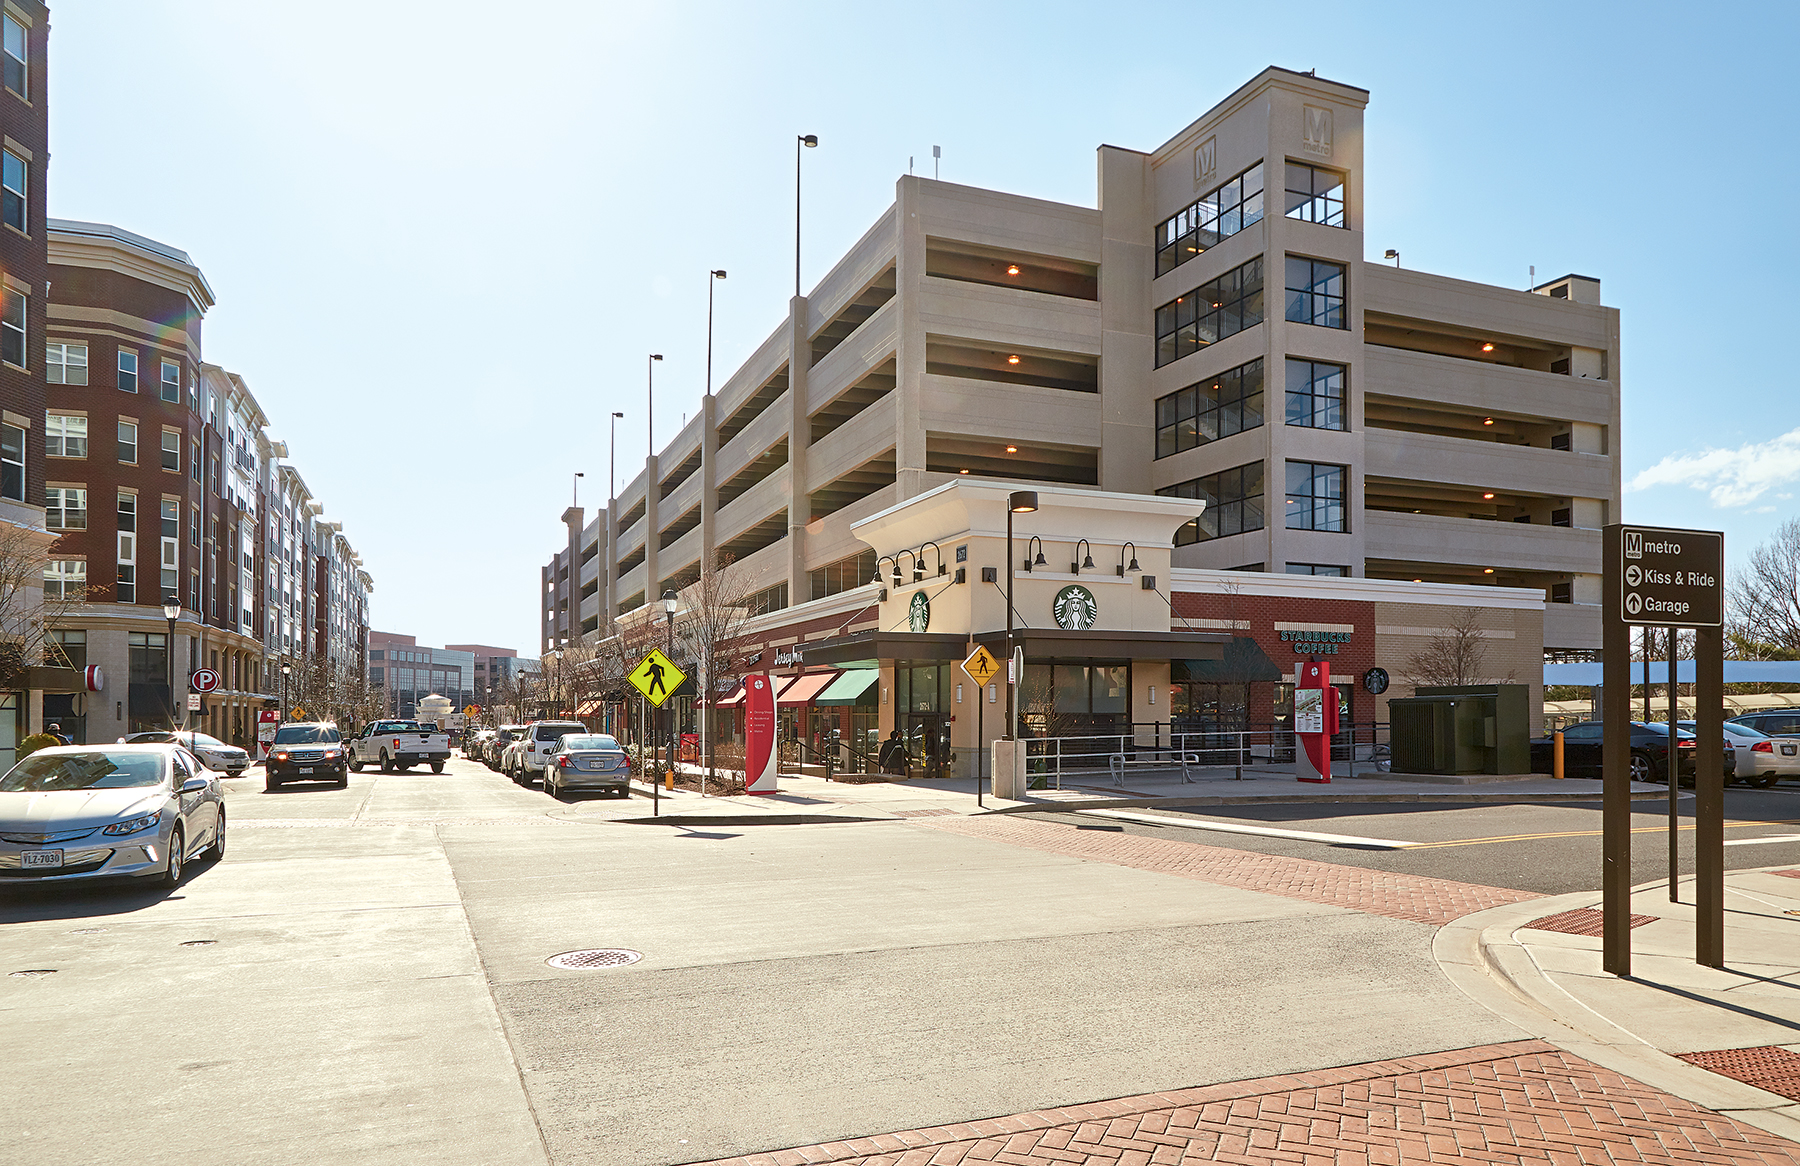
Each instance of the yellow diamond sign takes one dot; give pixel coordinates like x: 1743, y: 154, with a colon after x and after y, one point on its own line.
x: 981, y: 666
x: 656, y: 677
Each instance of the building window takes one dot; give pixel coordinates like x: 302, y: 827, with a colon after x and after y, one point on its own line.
x: 1228, y: 403
x: 1315, y: 394
x: 1315, y: 497
x: 12, y: 41
x: 72, y: 644
x: 1315, y: 195
x: 1565, y: 593
x: 128, y: 442
x: 12, y: 328
x: 65, y: 364
x: 65, y: 435
x: 65, y: 508
x: 171, y: 450
x: 65, y: 578
x: 127, y: 371
x: 171, y: 547
x: 1315, y: 293
x: 12, y: 190
x: 194, y: 464
x: 127, y: 586
x: 1234, y: 503
x: 1218, y: 215
x: 1335, y: 569
x: 843, y: 575
x: 12, y: 463
x: 1563, y: 516
x: 171, y: 382
x: 1210, y: 313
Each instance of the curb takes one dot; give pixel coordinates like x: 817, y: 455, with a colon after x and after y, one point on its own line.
x: 1175, y: 801
x: 744, y: 820
x: 1479, y: 955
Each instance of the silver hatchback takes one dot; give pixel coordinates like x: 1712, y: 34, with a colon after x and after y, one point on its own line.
x: 586, y: 761
x: 97, y: 811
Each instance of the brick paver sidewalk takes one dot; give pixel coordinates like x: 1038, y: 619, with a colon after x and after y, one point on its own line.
x: 1397, y: 896
x: 1512, y: 1103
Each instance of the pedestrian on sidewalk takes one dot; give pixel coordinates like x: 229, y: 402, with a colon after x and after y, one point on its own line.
x: 892, y: 757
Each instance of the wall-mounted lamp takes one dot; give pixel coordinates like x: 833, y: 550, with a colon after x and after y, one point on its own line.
x: 1086, y: 560
x: 918, y: 563
x: 1134, y: 563
x: 1039, y: 561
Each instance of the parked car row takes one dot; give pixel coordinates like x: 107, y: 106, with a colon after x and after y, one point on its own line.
x: 1759, y: 749
x: 564, y: 755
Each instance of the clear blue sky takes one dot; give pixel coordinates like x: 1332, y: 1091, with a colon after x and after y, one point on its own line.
x: 444, y: 235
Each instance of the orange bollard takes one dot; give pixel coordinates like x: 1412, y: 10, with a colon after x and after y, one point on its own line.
x: 1556, y: 754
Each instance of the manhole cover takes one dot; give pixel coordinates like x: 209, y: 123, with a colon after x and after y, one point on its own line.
x: 33, y: 973
x: 200, y: 943
x: 595, y: 958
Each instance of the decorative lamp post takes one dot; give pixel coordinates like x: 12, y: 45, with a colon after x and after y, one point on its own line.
x: 1018, y: 502
x: 286, y: 670
x: 171, y: 612
x: 670, y: 602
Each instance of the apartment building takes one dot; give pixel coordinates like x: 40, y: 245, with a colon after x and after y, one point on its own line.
x: 1210, y: 330
x: 163, y: 487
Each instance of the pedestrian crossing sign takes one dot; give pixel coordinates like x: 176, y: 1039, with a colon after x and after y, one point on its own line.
x: 656, y: 677
x: 981, y: 666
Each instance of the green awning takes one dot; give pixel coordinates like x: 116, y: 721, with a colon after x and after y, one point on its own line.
x: 1244, y: 663
x: 847, y: 689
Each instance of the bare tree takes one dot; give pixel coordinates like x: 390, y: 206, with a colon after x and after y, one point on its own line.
x: 718, y: 612
x: 1454, y: 655
x: 1763, y: 598
x: 30, y: 611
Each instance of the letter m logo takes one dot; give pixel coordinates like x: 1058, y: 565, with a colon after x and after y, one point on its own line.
x: 1316, y: 131
x: 1634, y: 544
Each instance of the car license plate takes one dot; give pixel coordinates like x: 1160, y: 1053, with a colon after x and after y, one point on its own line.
x: 304, y: 769
x: 1788, y: 750
x: 41, y: 858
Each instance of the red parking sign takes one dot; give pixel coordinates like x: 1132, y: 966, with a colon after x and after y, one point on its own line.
x: 204, y: 680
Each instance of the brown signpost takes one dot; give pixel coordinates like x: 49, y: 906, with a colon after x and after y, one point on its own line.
x: 1654, y: 577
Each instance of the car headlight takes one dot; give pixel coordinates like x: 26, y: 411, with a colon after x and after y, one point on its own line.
x: 330, y: 753
x: 281, y: 757
x: 133, y: 825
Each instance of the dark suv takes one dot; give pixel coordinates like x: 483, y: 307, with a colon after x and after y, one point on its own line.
x: 1772, y: 722
x: 308, y: 752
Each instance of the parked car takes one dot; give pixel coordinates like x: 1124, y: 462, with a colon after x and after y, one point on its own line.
x: 212, y: 752
x: 586, y: 761
x: 74, y: 812
x: 305, y: 750
x: 1762, y: 760
x: 474, y: 740
x: 495, y: 752
x: 1649, y: 751
x: 1772, y: 722
x: 399, y: 745
x: 536, y: 745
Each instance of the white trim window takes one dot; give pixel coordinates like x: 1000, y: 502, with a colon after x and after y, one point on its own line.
x: 65, y: 507
x: 65, y: 578
x: 65, y: 363
x: 65, y: 435
x: 12, y: 328
x: 128, y: 370
x: 171, y: 382
x: 128, y: 442
x: 12, y: 191
x: 16, y: 57
x: 12, y: 462
x: 171, y: 547
x: 171, y: 450
x: 127, y: 562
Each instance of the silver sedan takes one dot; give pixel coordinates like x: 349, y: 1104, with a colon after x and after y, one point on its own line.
x: 96, y: 811
x: 212, y: 752
x: 591, y: 761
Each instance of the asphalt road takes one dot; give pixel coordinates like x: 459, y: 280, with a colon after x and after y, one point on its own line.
x: 1550, y: 849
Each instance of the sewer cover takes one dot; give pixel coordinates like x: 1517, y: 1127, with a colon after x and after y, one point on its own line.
x: 594, y: 958
x: 200, y: 943
x: 33, y: 973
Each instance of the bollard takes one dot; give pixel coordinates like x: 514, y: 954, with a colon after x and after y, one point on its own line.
x: 1556, y: 754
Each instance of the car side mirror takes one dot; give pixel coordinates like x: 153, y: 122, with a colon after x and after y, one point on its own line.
x: 194, y: 785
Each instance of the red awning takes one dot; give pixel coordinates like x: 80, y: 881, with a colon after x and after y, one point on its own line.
x: 589, y: 707
x: 804, y: 688
x: 736, y: 698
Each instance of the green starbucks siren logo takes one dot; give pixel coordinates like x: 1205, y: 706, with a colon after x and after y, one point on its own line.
x: 1076, y: 609
x: 918, y: 612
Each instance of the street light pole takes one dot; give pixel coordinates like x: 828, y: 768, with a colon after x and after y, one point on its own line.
x: 801, y: 140
x: 171, y: 612
x: 717, y: 275
x: 670, y: 603
x: 575, y: 489
x: 285, y: 670
x: 1018, y: 502
x: 650, y: 406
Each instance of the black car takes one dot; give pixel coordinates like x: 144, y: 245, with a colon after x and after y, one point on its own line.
x: 1649, y: 751
x: 306, y: 752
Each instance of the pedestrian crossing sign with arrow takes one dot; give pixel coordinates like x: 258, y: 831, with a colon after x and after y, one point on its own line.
x: 656, y: 677
x: 981, y: 666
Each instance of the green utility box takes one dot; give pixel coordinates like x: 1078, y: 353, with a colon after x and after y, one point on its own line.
x: 1473, y: 729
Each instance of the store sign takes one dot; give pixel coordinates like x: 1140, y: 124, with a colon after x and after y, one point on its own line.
x: 918, y: 612
x: 1075, y: 608
x: 1316, y: 643
x: 785, y: 657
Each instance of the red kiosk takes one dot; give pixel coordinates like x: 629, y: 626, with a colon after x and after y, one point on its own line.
x: 1315, y: 721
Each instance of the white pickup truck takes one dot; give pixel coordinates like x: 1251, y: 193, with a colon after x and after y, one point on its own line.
x: 399, y: 745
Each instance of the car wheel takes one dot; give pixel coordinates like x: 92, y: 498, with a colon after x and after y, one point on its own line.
x: 437, y: 767
x: 343, y: 780
x: 387, y: 763
x: 1642, y: 768
x: 177, y: 860
x: 356, y: 767
x: 217, y: 850
x: 271, y: 783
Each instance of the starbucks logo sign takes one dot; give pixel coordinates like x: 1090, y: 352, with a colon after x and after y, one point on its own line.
x: 1075, y: 609
x: 918, y: 612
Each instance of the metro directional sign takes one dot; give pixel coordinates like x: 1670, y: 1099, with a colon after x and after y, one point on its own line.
x: 1670, y: 578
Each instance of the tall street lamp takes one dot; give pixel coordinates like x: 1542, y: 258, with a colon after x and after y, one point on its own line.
x: 171, y: 612
x: 670, y: 602
x: 612, y: 465
x: 286, y: 670
x: 717, y: 275
x: 575, y: 489
x: 808, y: 140
x: 1018, y: 502
x: 650, y: 410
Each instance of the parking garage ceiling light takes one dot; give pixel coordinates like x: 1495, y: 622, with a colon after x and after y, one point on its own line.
x: 1012, y: 449
x: 1488, y: 347
x: 1014, y: 359
x: 1012, y: 269
x: 1488, y: 495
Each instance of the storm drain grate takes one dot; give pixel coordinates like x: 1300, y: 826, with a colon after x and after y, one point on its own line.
x: 33, y: 973
x: 1766, y: 1067
x: 200, y: 943
x: 594, y: 958
x: 1582, y: 921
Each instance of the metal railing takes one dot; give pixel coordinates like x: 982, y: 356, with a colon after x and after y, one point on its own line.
x: 1159, y: 746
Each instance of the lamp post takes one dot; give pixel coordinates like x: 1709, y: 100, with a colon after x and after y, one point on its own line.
x: 670, y: 602
x: 1018, y: 502
x: 575, y: 489
x: 715, y: 276
x: 171, y: 612
x: 650, y: 401
x: 808, y: 140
